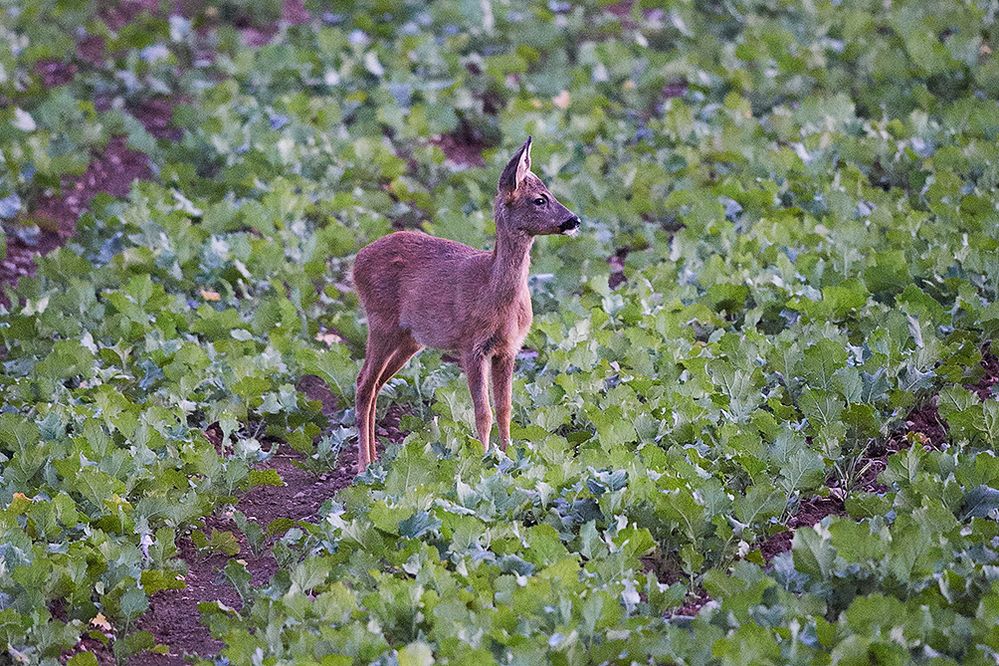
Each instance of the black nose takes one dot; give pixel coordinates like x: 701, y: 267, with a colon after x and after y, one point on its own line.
x: 571, y: 224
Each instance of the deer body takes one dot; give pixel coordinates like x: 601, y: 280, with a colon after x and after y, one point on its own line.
x: 421, y: 291
x: 442, y: 292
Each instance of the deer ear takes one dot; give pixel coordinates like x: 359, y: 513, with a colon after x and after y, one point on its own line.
x: 516, y: 169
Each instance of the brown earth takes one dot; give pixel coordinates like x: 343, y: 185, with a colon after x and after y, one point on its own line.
x: 156, y: 115
x: 111, y: 171
x: 622, y: 10
x: 922, y: 426
x: 667, y: 569
x: 292, y: 13
x: 173, y: 616
x: 985, y: 388
x: 54, y: 72
x: 616, y: 263
x: 693, y: 603
x: 810, y: 512
x: 461, y: 149
x: 119, y: 14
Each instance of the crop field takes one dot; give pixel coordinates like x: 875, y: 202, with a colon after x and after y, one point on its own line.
x: 755, y: 420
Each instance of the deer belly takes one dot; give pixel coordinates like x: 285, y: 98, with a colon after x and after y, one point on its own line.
x: 436, y: 333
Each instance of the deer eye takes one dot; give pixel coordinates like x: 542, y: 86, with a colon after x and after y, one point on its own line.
x: 540, y: 201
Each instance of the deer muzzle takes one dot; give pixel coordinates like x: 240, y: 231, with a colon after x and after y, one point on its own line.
x: 571, y: 226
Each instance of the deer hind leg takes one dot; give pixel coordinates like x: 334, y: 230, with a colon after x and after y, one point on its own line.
x: 476, y: 369
x: 380, y: 349
x: 502, y: 372
x: 405, y: 350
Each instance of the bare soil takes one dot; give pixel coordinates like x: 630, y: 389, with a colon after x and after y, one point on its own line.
x: 986, y: 386
x: 460, y: 149
x: 810, y: 512
x: 292, y: 13
x: 156, y: 115
x: 54, y: 72
x: 616, y: 263
x: 922, y: 426
x: 111, y: 171
x: 119, y: 14
x: 693, y: 604
x: 173, y: 616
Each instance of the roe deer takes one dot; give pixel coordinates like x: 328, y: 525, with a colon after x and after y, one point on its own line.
x: 420, y: 291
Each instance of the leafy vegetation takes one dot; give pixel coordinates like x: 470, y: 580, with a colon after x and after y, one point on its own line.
x: 801, y: 196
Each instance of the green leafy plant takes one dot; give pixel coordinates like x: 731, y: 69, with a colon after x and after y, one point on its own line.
x: 771, y: 440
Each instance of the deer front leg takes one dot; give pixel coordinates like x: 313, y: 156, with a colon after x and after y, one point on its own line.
x: 503, y: 395
x: 477, y: 369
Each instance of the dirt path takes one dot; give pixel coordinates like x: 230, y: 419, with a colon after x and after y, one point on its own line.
x: 112, y: 170
x: 461, y: 148
x: 173, y: 617
x: 923, y: 425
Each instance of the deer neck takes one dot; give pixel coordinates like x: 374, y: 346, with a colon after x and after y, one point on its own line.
x: 511, y: 264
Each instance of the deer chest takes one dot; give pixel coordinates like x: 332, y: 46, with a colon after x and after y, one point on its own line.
x: 505, y: 335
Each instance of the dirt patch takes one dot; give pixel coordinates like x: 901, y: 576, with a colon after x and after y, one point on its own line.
x: 95, y: 639
x: 667, y: 569
x: 616, y: 263
x: 293, y: 12
x: 156, y: 115
x: 986, y: 386
x: 173, y: 616
x: 100, y: 647
x: 119, y: 14
x: 623, y: 10
x: 923, y: 420
x: 90, y: 50
x: 112, y: 171
x: 676, y: 88
x: 55, y: 72
x: 389, y: 427
x: 461, y: 148
x: 810, y: 512
x: 692, y: 604
x: 257, y: 37
x: 922, y: 426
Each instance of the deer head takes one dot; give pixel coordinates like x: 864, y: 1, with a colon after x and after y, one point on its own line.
x: 524, y: 206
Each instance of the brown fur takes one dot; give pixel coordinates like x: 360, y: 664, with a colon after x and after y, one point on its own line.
x: 421, y: 291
